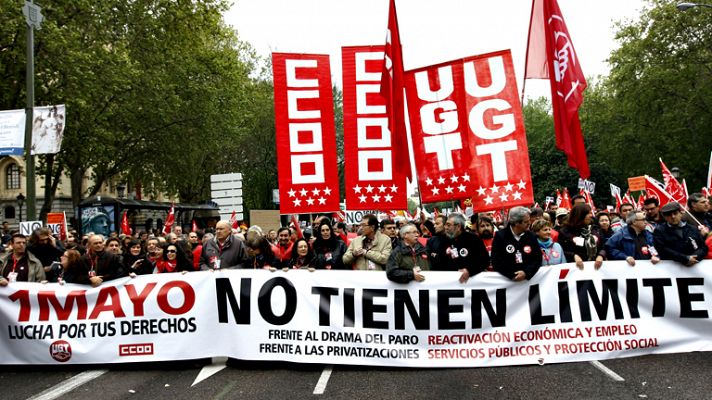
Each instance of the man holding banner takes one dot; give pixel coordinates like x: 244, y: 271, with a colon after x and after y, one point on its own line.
x: 676, y: 240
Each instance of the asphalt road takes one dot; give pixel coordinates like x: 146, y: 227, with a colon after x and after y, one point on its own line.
x: 673, y: 376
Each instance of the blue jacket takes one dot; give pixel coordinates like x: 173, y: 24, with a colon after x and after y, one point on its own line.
x: 622, y: 244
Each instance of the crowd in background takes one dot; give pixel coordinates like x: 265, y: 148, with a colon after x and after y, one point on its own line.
x: 516, y: 245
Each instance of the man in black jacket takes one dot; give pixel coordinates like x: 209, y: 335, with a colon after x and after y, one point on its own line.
x: 515, y: 251
x: 466, y: 252
x: 676, y: 240
x: 96, y: 266
x: 436, y: 245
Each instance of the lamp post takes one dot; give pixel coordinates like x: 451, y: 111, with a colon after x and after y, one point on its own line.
x: 20, y: 202
x: 687, y: 6
x: 34, y: 18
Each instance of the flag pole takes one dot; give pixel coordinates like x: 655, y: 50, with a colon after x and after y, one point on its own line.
x: 526, y: 56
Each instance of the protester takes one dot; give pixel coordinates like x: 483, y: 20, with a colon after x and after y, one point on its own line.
x: 624, y: 210
x: 196, y: 248
x: 551, y: 252
x: 515, y: 250
x: 466, y: 253
x: 485, y: 231
x: 370, y: 251
x: 261, y: 253
x: 68, y: 260
x: 389, y: 228
x: 328, y: 248
x: 577, y: 239
x: 633, y: 242
x: 48, y: 251
x: 224, y: 251
x: 174, y: 260
x: 19, y: 265
x: 113, y: 245
x: 408, y: 259
x: 698, y: 207
x: 436, y: 245
x: 651, y: 206
x: 283, y: 249
x: 134, y: 260
x: 302, y: 255
x: 677, y: 240
x: 603, y: 222
x: 95, y: 267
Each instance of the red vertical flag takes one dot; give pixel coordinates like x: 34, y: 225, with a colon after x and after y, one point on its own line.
x: 125, y: 228
x: 551, y: 55
x: 708, y: 185
x: 233, y: 220
x: 305, y: 134
x: 374, y: 180
x: 392, y: 85
x: 170, y: 220
x: 194, y: 226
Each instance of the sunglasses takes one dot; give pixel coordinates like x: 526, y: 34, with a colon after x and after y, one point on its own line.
x: 170, y: 251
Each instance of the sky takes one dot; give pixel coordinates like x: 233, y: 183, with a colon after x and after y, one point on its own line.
x: 431, y: 31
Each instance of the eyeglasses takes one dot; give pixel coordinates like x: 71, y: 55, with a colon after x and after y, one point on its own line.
x: 170, y: 251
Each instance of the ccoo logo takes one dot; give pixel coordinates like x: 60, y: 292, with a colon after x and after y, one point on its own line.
x: 60, y: 350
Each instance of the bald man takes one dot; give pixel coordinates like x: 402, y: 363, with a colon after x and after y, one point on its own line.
x: 224, y: 251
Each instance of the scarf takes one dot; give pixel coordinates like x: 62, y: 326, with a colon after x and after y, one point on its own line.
x: 589, y: 243
x: 545, y: 245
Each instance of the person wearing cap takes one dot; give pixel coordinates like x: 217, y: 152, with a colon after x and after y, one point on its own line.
x: 676, y: 240
x: 561, y: 214
x: 632, y: 243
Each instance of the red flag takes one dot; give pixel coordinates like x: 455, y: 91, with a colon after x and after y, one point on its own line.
x: 392, y: 84
x: 548, y: 36
x: 305, y: 134
x: 233, y: 220
x: 565, y: 200
x: 559, y: 199
x: 672, y: 186
x: 705, y: 191
x: 587, y: 197
x: 653, y: 190
x: 628, y: 198
x: 371, y: 170
x: 170, y: 220
x: 194, y: 226
x: 125, y: 228
x: 338, y: 216
x: 641, y: 202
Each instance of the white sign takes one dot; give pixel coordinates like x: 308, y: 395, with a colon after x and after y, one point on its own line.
x: 27, y: 227
x: 587, y: 185
x: 562, y: 314
x: 355, y: 217
x: 48, y: 129
x: 226, y: 192
x: 12, y: 132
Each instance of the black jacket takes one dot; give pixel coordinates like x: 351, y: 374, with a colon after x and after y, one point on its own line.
x: 329, y: 254
x: 231, y: 255
x: 679, y: 242
x: 435, y: 247
x: 107, y: 266
x: 465, y: 251
x: 506, y: 250
x: 402, y: 261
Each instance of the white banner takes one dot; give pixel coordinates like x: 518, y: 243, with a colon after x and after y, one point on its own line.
x: 12, y: 132
x: 345, y: 317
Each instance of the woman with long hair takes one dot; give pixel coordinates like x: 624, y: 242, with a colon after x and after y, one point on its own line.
x: 579, y: 242
x: 328, y: 248
x: 302, y: 255
x: 70, y: 261
x: 174, y: 260
x: 261, y: 254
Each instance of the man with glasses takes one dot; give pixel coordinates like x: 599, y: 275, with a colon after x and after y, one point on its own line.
x: 515, y: 250
x: 370, y: 251
x: 96, y: 266
x: 634, y: 242
x: 651, y: 206
x: 676, y: 240
x: 19, y: 265
x: 408, y: 259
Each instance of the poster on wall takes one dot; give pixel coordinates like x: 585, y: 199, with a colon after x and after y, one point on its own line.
x: 98, y: 219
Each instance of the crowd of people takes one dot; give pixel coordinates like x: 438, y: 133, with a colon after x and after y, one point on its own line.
x: 526, y: 240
